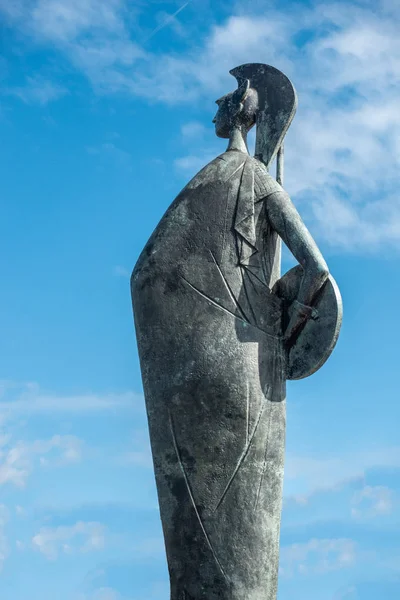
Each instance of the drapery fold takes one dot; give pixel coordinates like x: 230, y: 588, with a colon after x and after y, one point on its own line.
x: 244, y: 223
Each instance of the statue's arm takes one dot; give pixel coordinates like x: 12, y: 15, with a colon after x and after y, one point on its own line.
x: 287, y: 222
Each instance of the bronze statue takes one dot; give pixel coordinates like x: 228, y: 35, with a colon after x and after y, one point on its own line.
x: 219, y: 332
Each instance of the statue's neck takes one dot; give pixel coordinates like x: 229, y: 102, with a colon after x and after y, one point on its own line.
x: 238, y: 140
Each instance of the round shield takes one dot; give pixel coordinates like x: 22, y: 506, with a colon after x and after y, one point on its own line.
x: 319, y: 335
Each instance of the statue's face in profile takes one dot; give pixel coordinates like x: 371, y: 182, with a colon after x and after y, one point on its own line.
x: 225, y: 117
x: 236, y: 109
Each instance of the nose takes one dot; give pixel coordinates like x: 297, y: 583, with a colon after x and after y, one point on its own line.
x: 214, y: 120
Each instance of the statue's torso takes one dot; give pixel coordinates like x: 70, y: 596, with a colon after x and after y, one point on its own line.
x: 196, y: 241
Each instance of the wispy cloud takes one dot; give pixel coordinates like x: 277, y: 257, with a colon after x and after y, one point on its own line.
x: 18, y: 459
x: 193, y: 130
x: 81, y: 537
x: 17, y: 399
x: 137, y: 458
x: 91, y: 34
x: 20, y: 511
x: 349, y: 592
x: 317, y: 556
x: 306, y: 476
x: 155, y: 592
x: 372, y: 501
x: 38, y: 90
x: 192, y: 163
x: 4, y: 548
x: 139, y: 454
x: 65, y: 21
x: 343, y: 151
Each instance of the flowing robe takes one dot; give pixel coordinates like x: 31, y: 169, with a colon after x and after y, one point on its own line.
x: 209, y: 334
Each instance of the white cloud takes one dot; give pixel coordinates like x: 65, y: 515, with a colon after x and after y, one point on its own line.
x: 69, y: 449
x: 80, y: 537
x: 317, y: 556
x: 192, y: 163
x: 192, y: 129
x: 18, y: 460
x: 149, y: 548
x: 38, y: 90
x: 305, y: 476
x: 157, y: 591
x: 139, y: 454
x: 14, y: 466
x: 347, y: 593
x: 343, y: 150
x: 4, y: 549
x: 22, y: 399
x: 137, y: 458
x: 91, y: 34
x: 62, y: 21
x: 372, y: 501
x: 203, y: 71
x: 20, y: 511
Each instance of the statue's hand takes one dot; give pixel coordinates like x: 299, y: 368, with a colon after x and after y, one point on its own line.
x: 299, y: 314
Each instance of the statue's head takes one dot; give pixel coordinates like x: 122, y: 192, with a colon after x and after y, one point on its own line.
x: 265, y: 97
x: 237, y: 109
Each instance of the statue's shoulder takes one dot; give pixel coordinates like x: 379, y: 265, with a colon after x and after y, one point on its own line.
x: 226, y: 165
x: 219, y: 169
x: 264, y: 183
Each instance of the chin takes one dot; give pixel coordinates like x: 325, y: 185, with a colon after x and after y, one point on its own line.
x: 222, y: 134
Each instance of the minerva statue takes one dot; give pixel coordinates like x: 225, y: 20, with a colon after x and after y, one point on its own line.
x: 219, y: 332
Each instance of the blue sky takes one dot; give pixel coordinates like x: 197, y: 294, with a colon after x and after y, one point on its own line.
x: 105, y: 113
